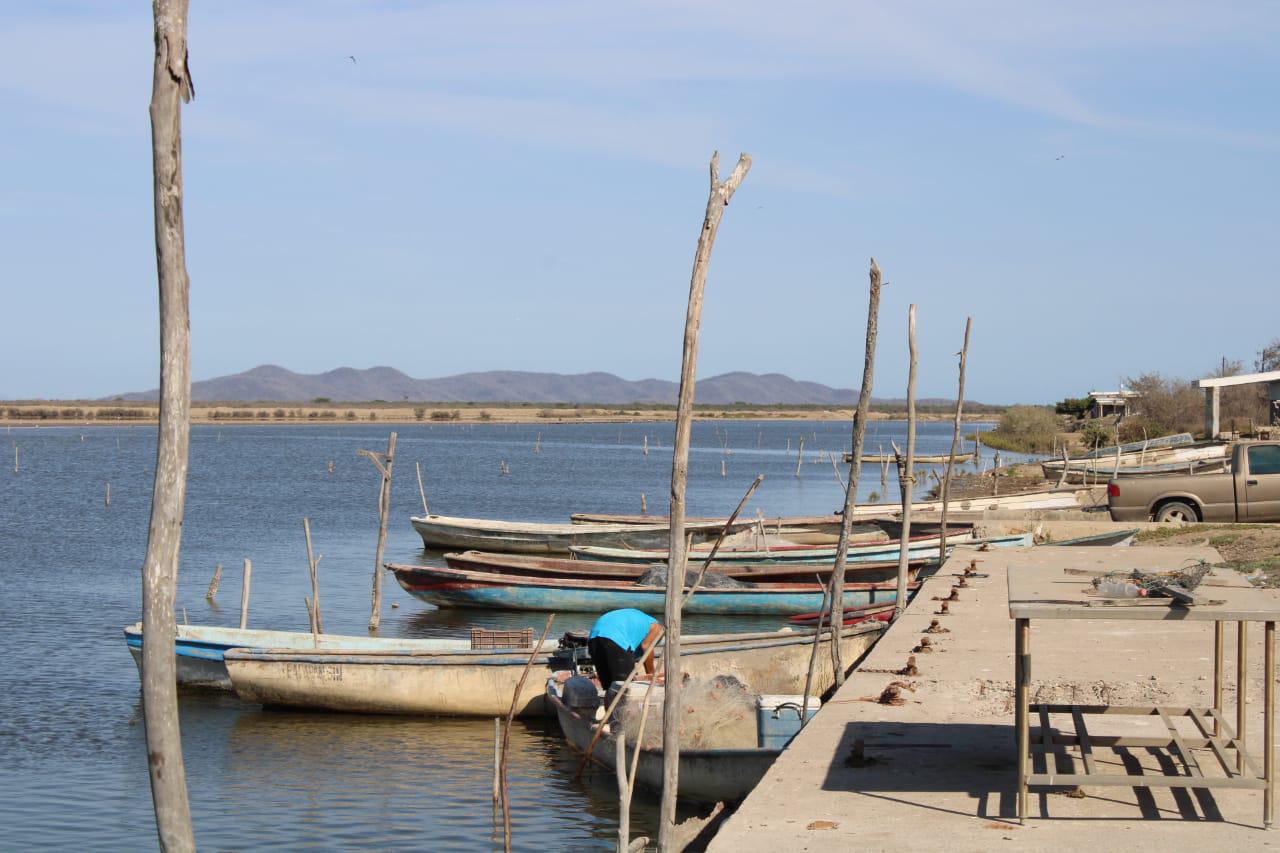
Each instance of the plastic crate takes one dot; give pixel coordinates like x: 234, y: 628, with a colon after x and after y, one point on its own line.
x: 778, y: 719
x: 483, y: 638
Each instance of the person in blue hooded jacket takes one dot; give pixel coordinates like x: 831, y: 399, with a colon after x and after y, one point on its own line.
x: 620, y: 638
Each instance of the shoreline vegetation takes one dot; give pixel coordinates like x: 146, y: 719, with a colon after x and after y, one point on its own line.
x: 323, y: 411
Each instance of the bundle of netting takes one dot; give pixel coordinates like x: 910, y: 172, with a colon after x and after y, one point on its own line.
x: 657, y: 576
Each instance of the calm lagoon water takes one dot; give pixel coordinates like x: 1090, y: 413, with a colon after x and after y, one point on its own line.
x: 74, y: 770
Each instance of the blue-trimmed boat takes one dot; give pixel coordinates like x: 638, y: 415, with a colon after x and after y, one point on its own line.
x: 446, y: 587
x: 199, y: 649
x: 924, y: 546
x: 482, y: 683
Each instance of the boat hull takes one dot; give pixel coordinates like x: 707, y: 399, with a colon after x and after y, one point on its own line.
x: 509, y: 537
x: 445, y: 587
x: 199, y: 649
x: 924, y: 547
x: 1058, y: 499
x: 758, y: 573
x: 706, y: 775
x: 482, y: 684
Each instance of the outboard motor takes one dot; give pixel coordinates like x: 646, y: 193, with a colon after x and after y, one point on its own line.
x: 571, y: 654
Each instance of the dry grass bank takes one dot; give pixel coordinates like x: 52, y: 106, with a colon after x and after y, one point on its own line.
x: 227, y: 413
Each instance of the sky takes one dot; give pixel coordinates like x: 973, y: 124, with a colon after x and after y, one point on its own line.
x: 462, y: 186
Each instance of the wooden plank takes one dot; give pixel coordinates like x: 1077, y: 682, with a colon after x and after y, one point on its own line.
x: 1179, y: 748
x: 1238, y: 745
x: 1046, y: 739
x: 1086, y: 745
x: 1213, y: 741
x: 1121, y: 780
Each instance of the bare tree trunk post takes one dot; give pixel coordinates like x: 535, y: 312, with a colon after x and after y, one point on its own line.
x: 244, y: 593
x: 908, y: 472
x: 313, y: 565
x: 817, y: 641
x: 506, y: 733
x: 171, y: 85
x: 855, y: 465
x: 422, y: 491
x: 955, y: 444
x: 624, y: 792
x: 385, y: 463
x: 717, y: 200
x: 213, y: 584
x: 497, y: 762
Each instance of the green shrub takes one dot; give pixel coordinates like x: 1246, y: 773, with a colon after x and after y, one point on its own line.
x: 1024, y: 429
x: 1077, y: 407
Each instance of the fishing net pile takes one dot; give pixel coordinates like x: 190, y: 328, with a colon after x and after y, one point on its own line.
x: 657, y: 576
x: 1175, y: 584
x: 717, y: 713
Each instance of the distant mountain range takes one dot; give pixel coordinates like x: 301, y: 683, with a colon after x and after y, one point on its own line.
x: 270, y: 383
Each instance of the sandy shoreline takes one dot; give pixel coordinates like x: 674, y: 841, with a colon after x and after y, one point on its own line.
x: 95, y: 413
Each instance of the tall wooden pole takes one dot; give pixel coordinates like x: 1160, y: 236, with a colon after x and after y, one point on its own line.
x: 717, y: 201
x: 385, y: 463
x: 313, y: 566
x: 955, y: 444
x: 855, y: 464
x: 171, y: 85
x: 907, y: 473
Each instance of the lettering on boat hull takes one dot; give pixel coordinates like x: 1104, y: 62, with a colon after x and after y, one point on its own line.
x: 313, y: 671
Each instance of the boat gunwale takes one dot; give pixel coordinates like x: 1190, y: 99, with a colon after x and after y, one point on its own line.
x: 693, y: 645
x: 442, y: 575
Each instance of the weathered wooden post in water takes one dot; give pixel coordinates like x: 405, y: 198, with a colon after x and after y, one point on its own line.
x: 906, y: 473
x: 170, y: 86
x: 506, y: 735
x: 212, y: 592
x: 384, y: 462
x: 955, y: 444
x: 855, y: 465
x: 313, y: 565
x: 421, y: 491
x: 717, y: 200
x: 244, y: 593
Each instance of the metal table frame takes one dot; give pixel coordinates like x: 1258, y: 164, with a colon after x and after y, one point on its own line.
x: 1215, y: 732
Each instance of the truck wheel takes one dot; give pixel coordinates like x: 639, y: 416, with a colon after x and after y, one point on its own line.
x: 1177, y: 511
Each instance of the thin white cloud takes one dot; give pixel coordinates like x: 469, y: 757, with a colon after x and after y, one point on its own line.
x: 620, y: 77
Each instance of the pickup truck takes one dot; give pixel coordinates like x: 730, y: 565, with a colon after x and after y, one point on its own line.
x: 1250, y: 491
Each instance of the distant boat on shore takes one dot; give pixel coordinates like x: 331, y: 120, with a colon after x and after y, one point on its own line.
x: 449, y: 533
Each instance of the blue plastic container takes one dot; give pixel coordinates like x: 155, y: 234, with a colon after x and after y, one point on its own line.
x: 778, y: 718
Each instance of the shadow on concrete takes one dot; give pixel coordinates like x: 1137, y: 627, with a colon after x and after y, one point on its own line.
x: 977, y: 761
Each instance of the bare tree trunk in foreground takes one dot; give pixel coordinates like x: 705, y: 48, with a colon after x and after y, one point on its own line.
x: 171, y: 84
x: 955, y: 444
x: 907, y: 473
x: 717, y: 201
x: 385, y: 463
x: 855, y: 467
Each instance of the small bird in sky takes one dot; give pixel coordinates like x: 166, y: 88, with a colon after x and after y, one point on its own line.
x: 1060, y: 156
x: 353, y: 60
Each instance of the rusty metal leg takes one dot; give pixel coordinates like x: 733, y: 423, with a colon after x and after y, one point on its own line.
x: 1022, y: 685
x: 1242, y: 684
x: 1269, y: 726
x: 1217, y: 674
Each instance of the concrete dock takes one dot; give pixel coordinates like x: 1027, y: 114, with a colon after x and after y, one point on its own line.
x: 938, y: 772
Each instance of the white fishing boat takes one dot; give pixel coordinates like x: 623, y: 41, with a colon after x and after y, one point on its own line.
x: 199, y: 649
x: 1055, y: 499
x: 721, y: 775
x: 477, y: 683
x: 1103, y: 466
x: 450, y: 533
